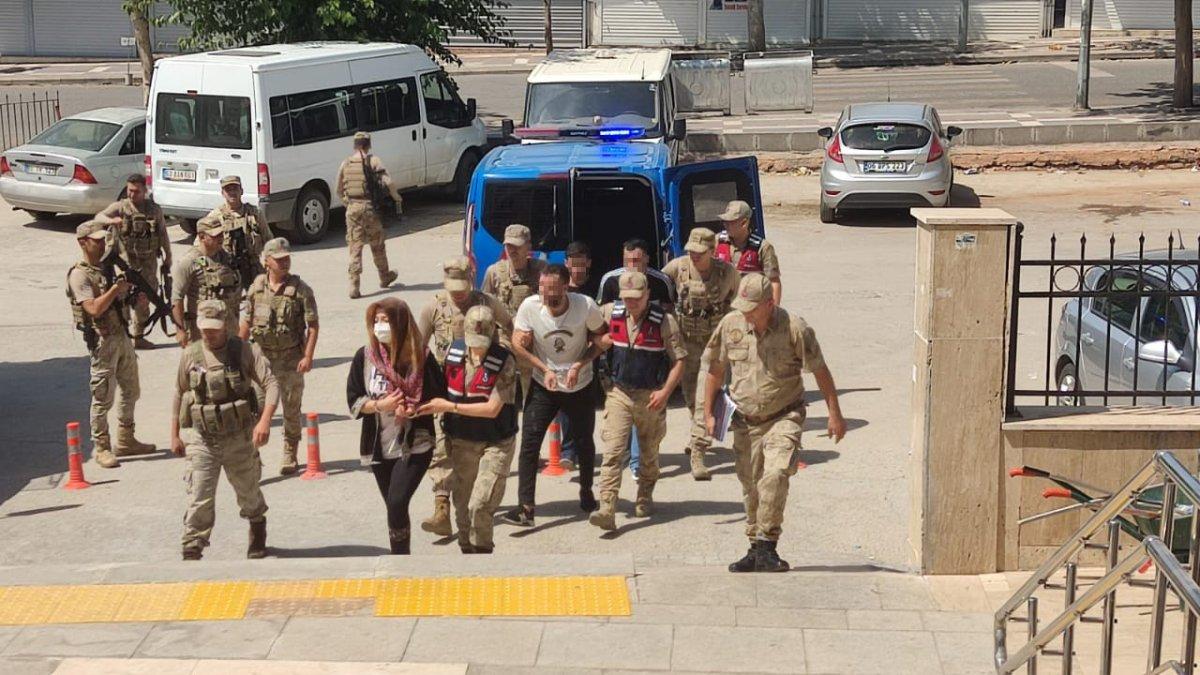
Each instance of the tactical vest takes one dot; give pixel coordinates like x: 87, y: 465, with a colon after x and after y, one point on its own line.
x: 219, y: 399
x: 249, y: 224
x: 511, y: 294
x: 108, y: 323
x: 216, y: 280
x: 139, y: 231
x: 477, y: 390
x: 448, y: 321
x: 354, y: 178
x: 278, y: 320
x: 751, y: 259
x: 698, y: 312
x: 644, y: 363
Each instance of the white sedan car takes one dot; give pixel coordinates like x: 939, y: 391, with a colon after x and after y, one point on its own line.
x: 78, y: 165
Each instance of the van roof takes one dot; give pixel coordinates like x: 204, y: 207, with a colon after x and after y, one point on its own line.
x: 274, y: 57
x: 561, y: 156
x: 602, y: 65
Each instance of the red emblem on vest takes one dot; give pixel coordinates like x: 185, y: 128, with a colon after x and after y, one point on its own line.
x: 750, y: 261
x: 649, y: 334
x: 480, y: 386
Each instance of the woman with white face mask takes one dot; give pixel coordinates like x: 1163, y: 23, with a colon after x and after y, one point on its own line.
x: 387, y: 383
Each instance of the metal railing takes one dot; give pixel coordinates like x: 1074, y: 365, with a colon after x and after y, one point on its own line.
x: 1169, y: 574
x: 1120, y: 327
x: 22, y: 118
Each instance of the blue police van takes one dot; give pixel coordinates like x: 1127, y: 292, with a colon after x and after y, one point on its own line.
x: 600, y: 191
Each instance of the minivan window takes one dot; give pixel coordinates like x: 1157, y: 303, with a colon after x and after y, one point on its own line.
x: 541, y: 205
x: 567, y: 104
x: 313, y: 116
x: 200, y: 120
x: 885, y: 137
x: 390, y: 104
x: 443, y: 106
x: 77, y: 135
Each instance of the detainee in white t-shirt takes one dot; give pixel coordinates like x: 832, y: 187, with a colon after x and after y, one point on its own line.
x: 557, y: 334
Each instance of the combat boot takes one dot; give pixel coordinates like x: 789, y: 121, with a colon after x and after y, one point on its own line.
x: 644, y: 506
x: 258, y: 540
x: 749, y: 562
x: 104, y: 455
x: 354, y: 292
x: 605, y: 517
x: 399, y: 540
x: 769, y: 560
x: 128, y: 445
x: 142, y: 344
x: 699, y: 471
x: 439, y: 522
x: 388, y: 278
x: 192, y: 553
x: 288, y: 466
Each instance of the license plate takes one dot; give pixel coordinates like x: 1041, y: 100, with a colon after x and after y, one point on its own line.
x: 41, y: 170
x: 885, y: 167
x: 180, y: 175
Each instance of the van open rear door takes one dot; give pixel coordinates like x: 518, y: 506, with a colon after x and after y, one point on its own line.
x: 609, y: 207
x: 698, y: 193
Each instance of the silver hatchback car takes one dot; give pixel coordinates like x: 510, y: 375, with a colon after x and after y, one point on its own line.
x: 886, y: 155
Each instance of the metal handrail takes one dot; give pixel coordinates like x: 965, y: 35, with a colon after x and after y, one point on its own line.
x: 1169, y: 573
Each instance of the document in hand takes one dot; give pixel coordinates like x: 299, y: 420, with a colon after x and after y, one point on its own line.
x: 723, y: 409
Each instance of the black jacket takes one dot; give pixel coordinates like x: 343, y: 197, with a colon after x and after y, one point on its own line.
x: 356, y: 395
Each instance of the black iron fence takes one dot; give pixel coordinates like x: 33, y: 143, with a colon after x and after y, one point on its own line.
x: 1120, y: 323
x: 24, y: 116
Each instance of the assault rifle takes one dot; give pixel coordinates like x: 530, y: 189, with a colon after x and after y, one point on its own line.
x: 116, y: 268
x: 243, y: 263
x: 381, y: 199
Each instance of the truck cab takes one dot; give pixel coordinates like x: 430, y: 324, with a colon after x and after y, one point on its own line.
x: 601, y: 192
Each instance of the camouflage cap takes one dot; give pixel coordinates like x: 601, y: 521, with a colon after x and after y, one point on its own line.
x: 277, y: 248
x: 231, y: 180
x: 456, y: 273
x: 737, y: 210
x: 701, y: 240
x: 210, y: 226
x: 633, y: 285
x: 754, y: 289
x: 517, y: 235
x: 210, y: 315
x: 91, y: 229
x: 362, y: 136
x: 478, y: 326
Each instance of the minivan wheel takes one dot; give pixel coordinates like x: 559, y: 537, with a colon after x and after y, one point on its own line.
x: 462, y: 175
x: 310, y: 220
x: 828, y: 214
x: 1068, y: 385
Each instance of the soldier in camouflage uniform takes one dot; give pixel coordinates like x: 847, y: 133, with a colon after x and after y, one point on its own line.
x: 745, y: 249
x: 204, y: 272
x: 513, y: 279
x: 705, y: 286
x: 647, y: 360
x: 765, y: 349
x: 363, y: 224
x: 142, y: 238
x: 216, y: 407
x: 441, y: 320
x: 98, y: 310
x: 280, y: 315
x: 244, y: 225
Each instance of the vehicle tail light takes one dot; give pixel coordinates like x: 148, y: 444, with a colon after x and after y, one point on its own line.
x: 935, y: 150
x: 264, y: 180
x: 82, y: 175
x: 937, y: 192
x: 5, y: 169
x: 835, y: 150
x: 833, y: 193
x: 149, y: 169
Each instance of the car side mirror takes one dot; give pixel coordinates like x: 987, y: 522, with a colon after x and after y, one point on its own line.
x: 825, y: 132
x: 679, y: 129
x: 953, y: 131
x: 1159, y: 351
x: 472, y: 108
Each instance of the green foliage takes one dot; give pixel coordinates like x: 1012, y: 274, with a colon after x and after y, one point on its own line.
x: 425, y: 23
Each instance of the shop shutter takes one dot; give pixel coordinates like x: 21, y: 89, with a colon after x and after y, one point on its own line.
x: 1005, y: 20
x: 933, y: 20
x: 14, y: 28
x: 74, y: 28
x: 524, y: 20
x: 652, y: 23
x: 786, y: 22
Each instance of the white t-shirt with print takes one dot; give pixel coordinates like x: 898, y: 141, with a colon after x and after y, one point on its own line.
x: 559, y: 341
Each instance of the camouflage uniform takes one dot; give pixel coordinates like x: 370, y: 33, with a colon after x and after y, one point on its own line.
x: 142, y: 237
x: 253, y: 228
x: 216, y: 406
x: 363, y: 224
x: 511, y: 288
x: 278, y: 320
x: 197, y: 277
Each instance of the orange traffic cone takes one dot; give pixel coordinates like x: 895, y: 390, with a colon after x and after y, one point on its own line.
x: 313, y: 471
x: 75, y: 481
x: 554, y: 466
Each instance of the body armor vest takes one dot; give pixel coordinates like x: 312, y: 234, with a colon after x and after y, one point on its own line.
x: 354, y: 178
x: 108, y: 323
x: 477, y: 390
x: 641, y: 363
x: 139, y: 232
x: 278, y: 320
x: 512, y: 293
x: 247, y: 223
x: 750, y: 261
x: 217, y: 280
x: 219, y: 399
x: 698, y: 312
x: 448, y: 321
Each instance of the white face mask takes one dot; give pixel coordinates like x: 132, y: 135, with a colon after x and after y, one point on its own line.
x: 383, y: 332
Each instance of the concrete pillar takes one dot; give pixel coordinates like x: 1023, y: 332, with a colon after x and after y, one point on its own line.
x: 958, y: 381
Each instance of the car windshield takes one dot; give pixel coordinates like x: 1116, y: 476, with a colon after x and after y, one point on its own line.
x: 885, y: 136
x: 77, y: 135
x: 579, y: 104
x: 206, y: 121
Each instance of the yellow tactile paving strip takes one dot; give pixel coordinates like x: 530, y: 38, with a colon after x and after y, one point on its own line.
x: 217, y: 600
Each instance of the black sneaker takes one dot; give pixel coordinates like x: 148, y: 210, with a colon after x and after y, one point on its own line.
x: 749, y: 562
x: 769, y: 560
x: 587, y: 501
x: 519, y: 516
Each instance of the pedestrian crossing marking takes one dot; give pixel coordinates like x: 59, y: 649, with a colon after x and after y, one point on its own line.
x: 232, y: 600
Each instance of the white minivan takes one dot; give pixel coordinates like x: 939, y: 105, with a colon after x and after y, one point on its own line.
x: 282, y: 116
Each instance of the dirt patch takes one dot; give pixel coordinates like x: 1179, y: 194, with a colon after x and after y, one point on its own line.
x: 1114, y: 212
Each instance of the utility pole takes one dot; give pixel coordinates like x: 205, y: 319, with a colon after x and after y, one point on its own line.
x: 549, y: 36
x: 1183, y: 54
x: 964, y: 25
x: 1085, y: 56
x: 756, y: 28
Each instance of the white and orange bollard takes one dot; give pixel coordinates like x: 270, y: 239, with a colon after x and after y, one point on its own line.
x: 313, y: 470
x: 554, y: 466
x: 75, y: 480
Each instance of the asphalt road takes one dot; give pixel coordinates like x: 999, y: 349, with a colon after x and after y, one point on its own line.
x: 853, y: 282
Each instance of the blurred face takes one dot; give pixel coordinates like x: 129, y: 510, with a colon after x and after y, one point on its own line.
x: 136, y: 192
x: 233, y: 194
x: 92, y: 248
x: 636, y: 260
x: 279, y: 266
x: 702, y: 261
x: 211, y: 243
x: 738, y: 229
x: 553, y: 292
x: 519, y: 255
x: 214, y: 338
x: 637, y: 306
x: 579, y: 266
x: 459, y: 297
